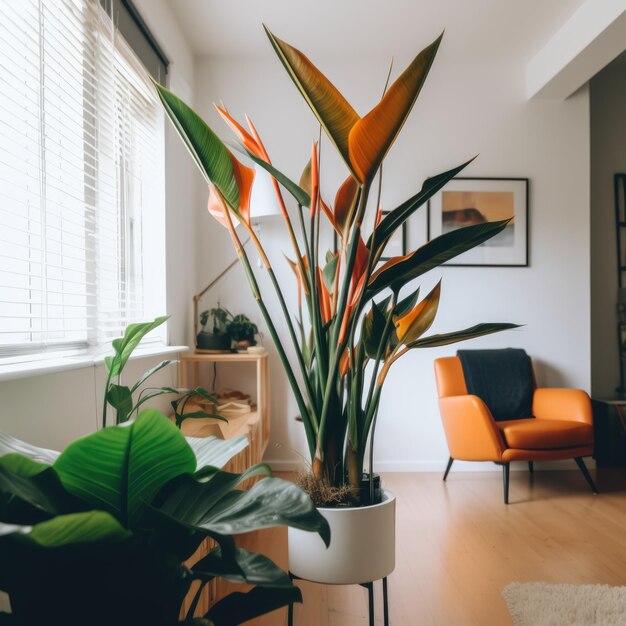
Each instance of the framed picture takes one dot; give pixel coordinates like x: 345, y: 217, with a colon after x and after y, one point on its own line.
x: 468, y: 201
x: 396, y: 246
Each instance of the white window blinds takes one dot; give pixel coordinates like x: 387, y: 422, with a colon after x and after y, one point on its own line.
x: 81, y: 179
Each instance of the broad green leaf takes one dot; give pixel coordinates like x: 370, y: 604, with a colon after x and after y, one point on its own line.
x: 151, y: 371
x: 246, y: 567
x: 21, y: 465
x: 121, y: 399
x: 268, y: 503
x: 300, y: 195
x: 331, y: 109
x: 417, y: 321
x: 77, y: 528
x: 31, y: 492
x: 9, y: 444
x: 399, y: 271
x: 371, y: 137
x: 206, y: 148
x: 237, y: 607
x: 121, y: 467
x: 395, y: 218
x: 461, y: 335
x: 125, y: 345
x: 74, y: 529
x: 189, y: 498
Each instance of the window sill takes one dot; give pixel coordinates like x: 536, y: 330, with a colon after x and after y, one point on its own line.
x: 14, y: 370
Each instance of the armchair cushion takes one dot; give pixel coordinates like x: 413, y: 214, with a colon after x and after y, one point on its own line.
x: 502, y: 379
x: 542, y: 434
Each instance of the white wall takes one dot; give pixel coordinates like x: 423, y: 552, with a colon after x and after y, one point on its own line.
x: 608, y: 156
x: 53, y: 409
x: 467, y: 107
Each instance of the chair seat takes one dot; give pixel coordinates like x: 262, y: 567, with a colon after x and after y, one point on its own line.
x: 538, y: 434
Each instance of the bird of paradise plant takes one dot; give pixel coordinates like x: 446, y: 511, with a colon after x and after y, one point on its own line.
x: 358, y: 322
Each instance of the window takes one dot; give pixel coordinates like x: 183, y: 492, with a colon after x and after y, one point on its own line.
x: 81, y: 179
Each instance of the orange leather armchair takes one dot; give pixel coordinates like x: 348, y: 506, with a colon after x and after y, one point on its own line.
x: 562, y: 427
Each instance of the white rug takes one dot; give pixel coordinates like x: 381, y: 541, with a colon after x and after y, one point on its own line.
x: 542, y: 604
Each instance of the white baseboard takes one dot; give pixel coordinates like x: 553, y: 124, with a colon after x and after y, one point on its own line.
x: 440, y: 466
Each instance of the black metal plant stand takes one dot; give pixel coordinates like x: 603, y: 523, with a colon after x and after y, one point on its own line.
x: 370, y: 592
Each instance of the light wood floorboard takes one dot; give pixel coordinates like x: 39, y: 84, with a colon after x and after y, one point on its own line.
x: 458, y: 545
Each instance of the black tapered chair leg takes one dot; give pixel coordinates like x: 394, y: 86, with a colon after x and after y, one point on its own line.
x: 450, y: 461
x: 505, y: 481
x: 583, y: 468
x: 531, y: 467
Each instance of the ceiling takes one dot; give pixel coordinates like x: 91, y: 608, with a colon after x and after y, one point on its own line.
x: 474, y: 28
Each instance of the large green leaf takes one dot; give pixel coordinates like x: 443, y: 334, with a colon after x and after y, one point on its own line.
x: 31, y: 492
x: 237, y: 608
x: 433, y: 254
x: 189, y: 497
x: 206, y: 148
x: 461, y: 335
x: 121, y: 467
x: 300, y: 195
x: 268, y: 503
x: 125, y: 345
x: 332, y: 110
x: 65, y: 530
x: 245, y: 567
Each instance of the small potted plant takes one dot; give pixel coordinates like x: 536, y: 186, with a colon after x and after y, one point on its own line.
x: 242, y: 331
x: 218, y: 338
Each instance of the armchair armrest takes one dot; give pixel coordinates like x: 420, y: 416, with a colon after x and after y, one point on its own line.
x: 471, y: 431
x: 572, y: 405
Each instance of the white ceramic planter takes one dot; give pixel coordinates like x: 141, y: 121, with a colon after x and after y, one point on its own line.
x: 362, y: 545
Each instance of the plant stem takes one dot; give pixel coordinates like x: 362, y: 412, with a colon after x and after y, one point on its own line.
x: 268, y: 320
x: 341, y: 310
x: 104, y: 407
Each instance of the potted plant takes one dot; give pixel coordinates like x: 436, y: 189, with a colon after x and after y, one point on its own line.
x: 357, y: 315
x: 217, y: 338
x: 242, y: 331
x: 100, y: 533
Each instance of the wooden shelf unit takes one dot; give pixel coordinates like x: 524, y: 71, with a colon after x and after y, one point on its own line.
x: 255, y: 424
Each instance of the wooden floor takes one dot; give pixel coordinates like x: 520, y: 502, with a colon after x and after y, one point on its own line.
x: 458, y: 545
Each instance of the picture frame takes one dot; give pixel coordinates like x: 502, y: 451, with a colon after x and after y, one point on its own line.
x: 467, y: 201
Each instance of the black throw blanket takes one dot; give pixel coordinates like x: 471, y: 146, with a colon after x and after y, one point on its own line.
x: 502, y: 379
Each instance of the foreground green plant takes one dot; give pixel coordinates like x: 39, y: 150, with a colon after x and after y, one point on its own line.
x: 359, y: 323
x: 99, y: 535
